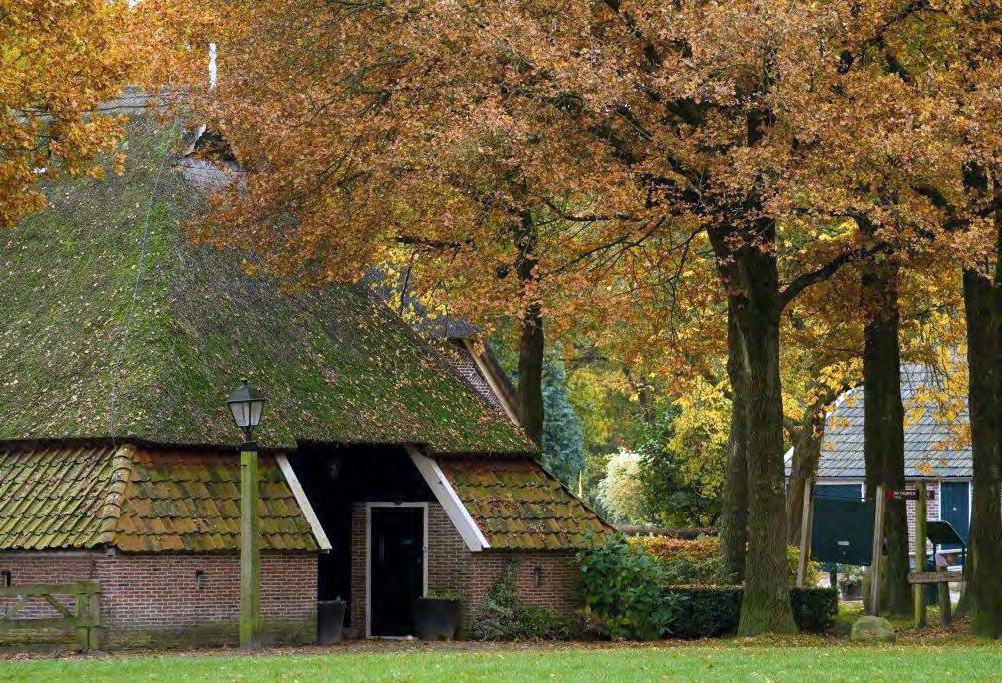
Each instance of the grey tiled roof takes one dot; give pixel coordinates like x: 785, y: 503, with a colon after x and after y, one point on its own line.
x: 931, y: 447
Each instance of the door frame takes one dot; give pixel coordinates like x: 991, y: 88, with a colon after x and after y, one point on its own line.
x: 368, y: 559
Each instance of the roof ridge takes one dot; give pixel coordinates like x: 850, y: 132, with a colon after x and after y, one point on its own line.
x: 121, y: 476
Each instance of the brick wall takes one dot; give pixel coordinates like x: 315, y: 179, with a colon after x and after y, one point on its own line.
x: 453, y: 568
x: 151, y: 594
x: 449, y: 560
x: 545, y: 579
x: 45, y: 568
x: 141, y: 591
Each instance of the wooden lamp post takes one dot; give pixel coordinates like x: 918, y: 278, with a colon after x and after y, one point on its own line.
x: 246, y: 404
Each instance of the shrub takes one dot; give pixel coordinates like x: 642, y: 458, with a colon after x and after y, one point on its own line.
x: 814, y: 609
x: 814, y: 570
x: 698, y: 561
x: 850, y: 582
x: 703, y: 611
x: 503, y: 615
x: 711, y: 611
x: 685, y: 561
x: 621, y: 588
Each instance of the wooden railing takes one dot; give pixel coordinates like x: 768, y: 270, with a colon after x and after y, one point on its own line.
x: 84, y: 617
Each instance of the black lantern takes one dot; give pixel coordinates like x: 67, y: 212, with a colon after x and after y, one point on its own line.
x: 246, y: 403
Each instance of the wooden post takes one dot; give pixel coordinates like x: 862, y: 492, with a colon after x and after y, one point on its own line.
x: 94, y: 607
x: 878, y: 547
x: 920, y: 556
x: 82, y: 614
x: 250, y: 558
x: 945, y: 609
x: 806, y: 518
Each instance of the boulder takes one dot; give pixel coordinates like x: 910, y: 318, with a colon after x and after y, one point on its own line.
x: 872, y: 630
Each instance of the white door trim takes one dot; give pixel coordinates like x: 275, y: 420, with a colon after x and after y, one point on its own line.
x: 368, y: 557
x: 450, y: 502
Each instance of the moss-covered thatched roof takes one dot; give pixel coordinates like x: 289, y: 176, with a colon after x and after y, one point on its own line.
x: 85, y: 353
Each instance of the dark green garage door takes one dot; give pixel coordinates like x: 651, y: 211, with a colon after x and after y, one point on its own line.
x: 842, y: 531
x: 955, y: 508
x: 839, y: 491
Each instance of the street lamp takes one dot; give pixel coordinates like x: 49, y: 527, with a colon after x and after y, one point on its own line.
x: 246, y: 404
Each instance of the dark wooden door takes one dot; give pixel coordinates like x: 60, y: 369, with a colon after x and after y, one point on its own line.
x: 396, y: 564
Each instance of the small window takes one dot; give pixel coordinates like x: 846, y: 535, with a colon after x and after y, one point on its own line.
x: 5, y: 579
x: 199, y: 579
x: 537, y: 577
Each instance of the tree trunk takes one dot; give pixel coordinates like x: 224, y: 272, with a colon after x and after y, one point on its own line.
x: 883, y: 424
x: 806, y: 454
x: 983, y: 306
x: 734, y: 512
x: 765, y: 607
x: 531, y: 343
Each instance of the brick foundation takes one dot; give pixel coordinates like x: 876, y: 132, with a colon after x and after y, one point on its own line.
x: 154, y: 599
x: 545, y: 578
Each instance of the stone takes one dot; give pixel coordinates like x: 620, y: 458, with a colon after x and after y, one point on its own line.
x: 872, y: 630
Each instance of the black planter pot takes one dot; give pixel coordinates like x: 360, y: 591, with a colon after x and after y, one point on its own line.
x: 853, y: 592
x: 435, y: 618
x: 330, y: 621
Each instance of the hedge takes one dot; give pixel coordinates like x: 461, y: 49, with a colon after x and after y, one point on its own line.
x: 713, y: 611
x: 630, y: 588
x: 685, y: 561
x: 687, y: 533
x: 698, y: 561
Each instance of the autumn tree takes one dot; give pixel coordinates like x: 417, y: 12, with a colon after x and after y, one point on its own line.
x: 982, y: 287
x: 967, y: 201
x: 425, y: 126
x: 620, y: 141
x: 738, y: 143
x: 415, y: 122
x: 58, y: 62
x: 822, y: 358
x: 932, y: 61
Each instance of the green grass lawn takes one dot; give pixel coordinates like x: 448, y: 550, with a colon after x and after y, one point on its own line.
x: 727, y: 661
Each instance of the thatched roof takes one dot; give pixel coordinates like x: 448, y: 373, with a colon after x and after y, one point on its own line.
x: 86, y: 353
